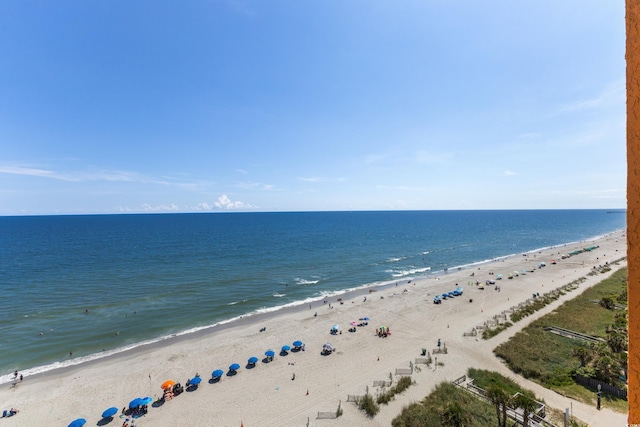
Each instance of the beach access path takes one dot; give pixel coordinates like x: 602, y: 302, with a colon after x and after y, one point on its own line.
x: 270, y: 394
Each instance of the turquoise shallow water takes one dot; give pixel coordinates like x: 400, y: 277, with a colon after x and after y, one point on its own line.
x: 92, y: 285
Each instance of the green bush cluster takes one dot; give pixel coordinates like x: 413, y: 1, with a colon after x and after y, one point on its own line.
x: 402, y: 385
x: 447, y: 405
x: 368, y: 405
x: 492, y: 332
x: 552, y: 360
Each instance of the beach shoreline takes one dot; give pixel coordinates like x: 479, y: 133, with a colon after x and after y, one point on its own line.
x: 266, y: 313
x: 361, y: 357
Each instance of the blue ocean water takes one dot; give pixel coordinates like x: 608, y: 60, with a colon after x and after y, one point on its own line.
x: 98, y: 284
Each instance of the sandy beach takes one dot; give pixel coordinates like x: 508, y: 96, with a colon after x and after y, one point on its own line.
x: 292, y: 389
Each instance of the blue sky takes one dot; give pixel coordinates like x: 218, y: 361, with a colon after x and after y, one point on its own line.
x: 222, y: 105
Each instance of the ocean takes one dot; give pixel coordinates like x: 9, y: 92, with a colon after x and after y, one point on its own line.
x: 78, y: 288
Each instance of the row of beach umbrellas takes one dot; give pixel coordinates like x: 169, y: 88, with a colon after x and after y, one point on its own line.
x: 216, y: 374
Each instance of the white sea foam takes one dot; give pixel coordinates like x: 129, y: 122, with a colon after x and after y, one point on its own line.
x: 301, y: 281
x: 408, y: 272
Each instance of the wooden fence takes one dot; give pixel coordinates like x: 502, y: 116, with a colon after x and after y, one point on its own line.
x: 327, y: 415
x: 460, y: 380
x: 382, y: 383
x: 592, y: 383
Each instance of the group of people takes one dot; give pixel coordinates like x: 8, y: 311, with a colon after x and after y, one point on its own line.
x: 383, y: 331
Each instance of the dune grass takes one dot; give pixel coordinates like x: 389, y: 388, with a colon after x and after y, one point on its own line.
x: 547, y: 358
x: 443, y: 406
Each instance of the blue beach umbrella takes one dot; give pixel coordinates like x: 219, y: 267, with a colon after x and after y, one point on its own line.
x: 135, y: 403
x: 146, y: 400
x: 110, y: 412
x: 297, y: 343
x: 269, y: 353
x: 78, y: 423
x: 217, y: 373
x: 286, y: 348
x: 195, y: 380
x: 253, y: 360
x: 234, y: 367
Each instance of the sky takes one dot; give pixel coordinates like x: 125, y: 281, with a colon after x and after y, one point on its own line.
x: 265, y: 105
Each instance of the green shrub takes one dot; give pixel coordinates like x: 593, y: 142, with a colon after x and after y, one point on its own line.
x: 447, y: 403
x: 402, y: 385
x: 368, y: 405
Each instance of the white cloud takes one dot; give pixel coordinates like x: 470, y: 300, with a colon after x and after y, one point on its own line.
x: 319, y: 179
x: 202, y: 207
x: 225, y: 203
x: 612, y: 95
x: 103, y: 175
x: 161, y: 208
x: 256, y: 185
x: 509, y: 173
x: 28, y: 171
x: 399, y: 187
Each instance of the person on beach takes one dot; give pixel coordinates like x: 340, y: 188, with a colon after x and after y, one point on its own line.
x: 10, y: 413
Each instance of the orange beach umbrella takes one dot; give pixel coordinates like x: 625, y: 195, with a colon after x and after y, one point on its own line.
x: 167, y: 384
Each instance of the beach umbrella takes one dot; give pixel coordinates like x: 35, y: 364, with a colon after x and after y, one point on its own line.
x: 365, y: 318
x: 354, y: 323
x: 269, y: 353
x: 297, y: 343
x: 135, y: 403
x: 286, y: 348
x: 217, y: 373
x: 335, y: 327
x: 167, y: 384
x: 110, y: 412
x: 253, y: 360
x: 146, y: 400
x: 195, y: 380
x: 78, y: 423
x: 234, y: 367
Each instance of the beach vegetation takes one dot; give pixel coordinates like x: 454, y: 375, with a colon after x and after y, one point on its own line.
x: 607, y: 303
x: 492, y: 332
x: 368, y: 405
x: 504, y: 393
x: 526, y: 402
x: 402, y: 384
x: 486, y: 379
x: 500, y: 399
x: 536, y: 303
x: 447, y: 405
x: 555, y: 361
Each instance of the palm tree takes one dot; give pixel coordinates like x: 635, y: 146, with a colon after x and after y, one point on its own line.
x: 527, y: 404
x: 617, y: 340
x: 499, y: 397
x: 583, y: 354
